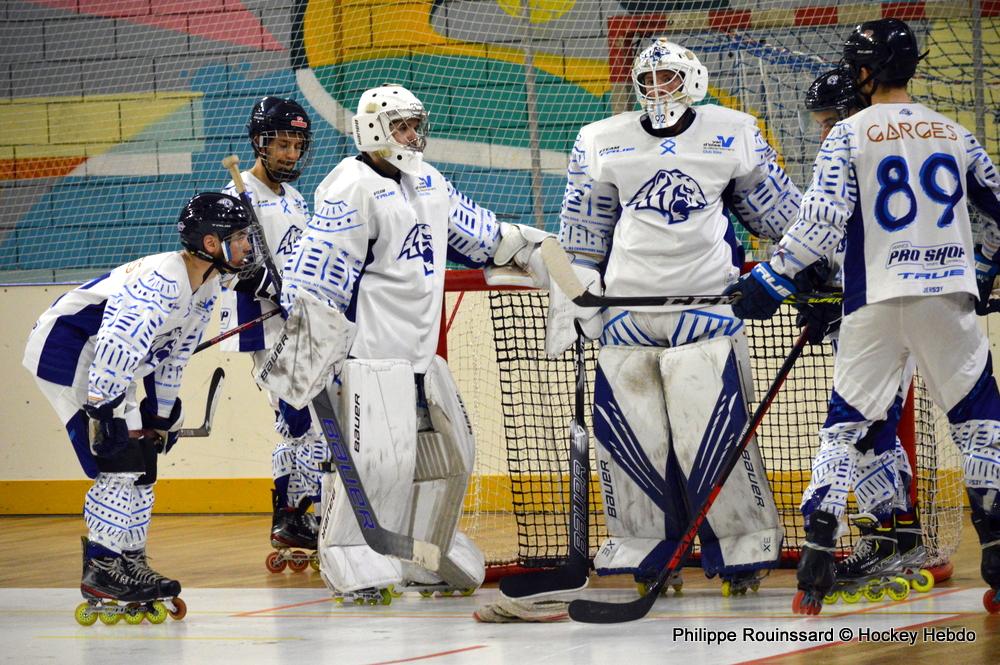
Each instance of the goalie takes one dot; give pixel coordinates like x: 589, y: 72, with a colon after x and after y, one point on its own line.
x: 372, y: 262
x: 645, y: 210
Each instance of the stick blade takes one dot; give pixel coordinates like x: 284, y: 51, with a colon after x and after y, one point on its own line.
x: 560, y: 269
x: 593, y: 611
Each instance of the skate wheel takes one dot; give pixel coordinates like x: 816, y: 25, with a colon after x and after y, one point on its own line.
x: 805, y: 604
x: 110, y: 617
x: 851, y: 597
x: 727, y: 589
x: 642, y: 588
x: 468, y: 592
x: 360, y: 601
x: 678, y: 589
x: 314, y: 562
x: 386, y: 597
x: 299, y: 562
x: 134, y: 614
x: 275, y: 562
x: 85, y: 615
x: 899, y: 589
x: 755, y: 587
x: 831, y: 597
x: 339, y: 600
x: 392, y: 590
x: 873, y: 592
x: 180, y: 609
x: 426, y: 594
x: 991, y: 601
x: 924, y: 581
x: 157, y: 614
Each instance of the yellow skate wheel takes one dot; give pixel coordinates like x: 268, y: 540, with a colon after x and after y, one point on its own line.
x: 387, y: 597
x: 85, y: 615
x: 678, y: 589
x: 642, y: 588
x: 426, y: 594
x: 831, y: 598
x: 851, y: 597
x: 899, y: 589
x: 134, y: 614
x: 359, y: 601
x: 109, y: 618
x: 873, y: 592
x: 339, y: 600
x: 468, y: 592
x: 727, y: 589
x: 392, y: 590
x: 924, y: 583
x: 755, y: 587
x: 157, y: 614
x: 314, y: 562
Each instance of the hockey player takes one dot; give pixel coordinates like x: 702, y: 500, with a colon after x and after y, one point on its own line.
x: 280, y: 133
x: 373, y: 257
x: 90, y: 350
x: 645, y: 211
x: 894, y: 182
x: 891, y: 540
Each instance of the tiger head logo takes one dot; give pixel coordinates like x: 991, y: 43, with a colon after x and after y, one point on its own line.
x: 672, y: 193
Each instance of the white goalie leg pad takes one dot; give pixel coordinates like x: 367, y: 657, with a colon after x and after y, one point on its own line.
x: 631, y: 425
x: 314, y: 342
x: 705, y: 396
x: 444, y: 461
x: 378, y: 422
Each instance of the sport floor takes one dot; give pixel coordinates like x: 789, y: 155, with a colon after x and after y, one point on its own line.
x: 240, y: 613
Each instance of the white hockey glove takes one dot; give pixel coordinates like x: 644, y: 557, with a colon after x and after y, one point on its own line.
x: 560, y: 331
x: 518, y: 261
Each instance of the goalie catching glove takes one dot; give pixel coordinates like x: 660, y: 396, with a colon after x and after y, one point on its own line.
x: 518, y: 259
x: 564, y: 314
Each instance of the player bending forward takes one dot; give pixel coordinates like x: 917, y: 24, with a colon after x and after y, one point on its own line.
x: 891, y: 543
x: 90, y: 350
x: 893, y: 182
x: 374, y: 255
x: 280, y: 133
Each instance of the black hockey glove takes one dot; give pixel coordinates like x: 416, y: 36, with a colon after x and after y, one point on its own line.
x: 822, y: 318
x: 108, y: 434
x: 986, y: 273
x: 165, y: 428
x: 760, y: 292
x: 259, y: 285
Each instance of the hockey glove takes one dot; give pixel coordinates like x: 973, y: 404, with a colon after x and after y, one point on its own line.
x: 760, y: 292
x: 166, y: 429
x: 564, y: 314
x: 822, y: 318
x: 259, y: 285
x: 108, y: 434
x: 986, y: 273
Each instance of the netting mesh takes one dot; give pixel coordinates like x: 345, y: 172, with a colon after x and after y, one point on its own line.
x: 114, y: 113
x: 521, y: 404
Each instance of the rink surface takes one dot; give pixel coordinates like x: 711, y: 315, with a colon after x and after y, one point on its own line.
x: 304, y: 625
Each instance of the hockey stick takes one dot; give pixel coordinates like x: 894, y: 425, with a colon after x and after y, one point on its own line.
x: 214, y: 392
x: 592, y: 611
x: 561, y: 271
x: 232, y: 164
x: 572, y: 575
x: 380, y: 539
x: 235, y: 331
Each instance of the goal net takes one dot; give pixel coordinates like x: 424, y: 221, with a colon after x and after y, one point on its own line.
x: 114, y: 113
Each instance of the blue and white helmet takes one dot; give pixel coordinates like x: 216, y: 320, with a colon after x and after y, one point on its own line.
x: 665, y: 109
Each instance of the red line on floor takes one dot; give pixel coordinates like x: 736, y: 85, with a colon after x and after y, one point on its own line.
x: 284, y: 607
x: 430, y: 655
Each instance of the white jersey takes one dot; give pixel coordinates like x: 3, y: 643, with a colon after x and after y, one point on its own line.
x: 891, y: 184
x: 283, y: 217
x: 656, y: 208
x: 140, y: 320
x: 376, y: 248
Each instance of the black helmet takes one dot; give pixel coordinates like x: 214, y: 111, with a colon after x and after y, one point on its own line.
x: 211, y: 213
x: 887, y: 47
x: 272, y: 115
x: 834, y: 89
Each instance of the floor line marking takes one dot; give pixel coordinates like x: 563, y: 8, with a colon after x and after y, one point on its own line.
x: 430, y: 655
x: 251, y: 613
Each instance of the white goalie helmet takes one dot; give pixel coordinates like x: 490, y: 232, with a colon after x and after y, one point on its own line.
x: 681, y: 80
x: 379, y: 112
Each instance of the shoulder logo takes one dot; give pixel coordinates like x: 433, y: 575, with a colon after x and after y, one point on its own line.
x: 423, y: 181
x: 726, y: 141
x: 417, y: 245
x: 672, y: 193
x: 718, y: 145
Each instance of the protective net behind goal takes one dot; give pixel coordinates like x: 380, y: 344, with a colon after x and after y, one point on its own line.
x: 521, y: 404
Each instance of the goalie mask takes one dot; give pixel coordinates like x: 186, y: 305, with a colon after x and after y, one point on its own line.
x: 668, y: 79
x: 284, y: 124
x: 392, y: 124
x: 831, y: 98
x: 227, y: 218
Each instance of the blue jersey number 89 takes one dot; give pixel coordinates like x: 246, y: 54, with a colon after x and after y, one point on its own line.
x: 894, y: 179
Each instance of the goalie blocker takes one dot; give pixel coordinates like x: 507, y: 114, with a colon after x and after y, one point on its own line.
x: 415, y: 480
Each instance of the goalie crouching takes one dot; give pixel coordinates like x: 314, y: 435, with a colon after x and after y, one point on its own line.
x: 364, y: 287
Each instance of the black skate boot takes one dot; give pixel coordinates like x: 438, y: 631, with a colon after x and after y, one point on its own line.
x: 817, y: 572
x: 136, y: 564
x: 292, y: 528
x: 105, y: 583
x: 873, y: 569
x: 988, y: 529
x: 912, y: 553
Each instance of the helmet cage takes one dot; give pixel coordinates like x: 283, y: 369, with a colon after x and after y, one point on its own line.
x: 666, y: 108
x: 373, y: 132
x: 262, y: 140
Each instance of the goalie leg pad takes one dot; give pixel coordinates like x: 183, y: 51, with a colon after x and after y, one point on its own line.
x: 380, y: 431
x: 705, y: 396
x: 444, y: 460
